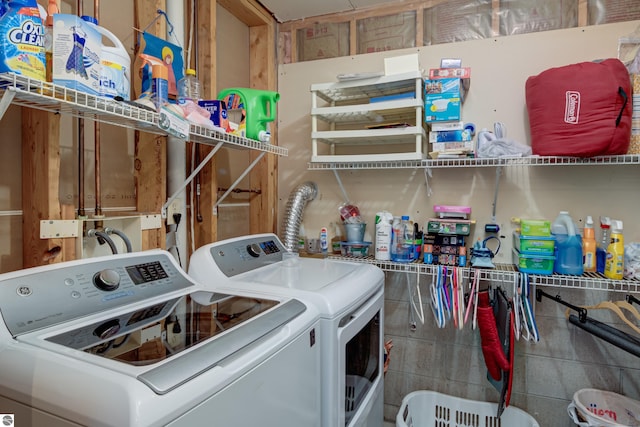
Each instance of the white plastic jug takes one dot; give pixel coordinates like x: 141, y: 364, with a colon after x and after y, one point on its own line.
x: 115, y: 62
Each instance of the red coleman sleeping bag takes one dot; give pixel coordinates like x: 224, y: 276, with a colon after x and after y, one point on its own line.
x: 580, y: 110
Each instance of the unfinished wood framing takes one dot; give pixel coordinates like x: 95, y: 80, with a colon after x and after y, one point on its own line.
x: 150, y: 157
x: 206, y: 225
x: 287, y: 31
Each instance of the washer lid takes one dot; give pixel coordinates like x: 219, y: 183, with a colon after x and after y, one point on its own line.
x: 333, y: 286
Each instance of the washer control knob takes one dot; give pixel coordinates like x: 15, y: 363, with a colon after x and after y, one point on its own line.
x: 107, y: 280
x: 254, y: 250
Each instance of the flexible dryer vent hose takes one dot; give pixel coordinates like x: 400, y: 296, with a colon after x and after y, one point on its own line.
x: 298, y: 199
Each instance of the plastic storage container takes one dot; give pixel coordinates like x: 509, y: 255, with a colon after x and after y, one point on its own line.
x: 533, y: 263
x: 357, y: 250
x: 591, y: 407
x: 535, y: 227
x: 429, y: 408
x: 537, y: 245
x: 568, y: 246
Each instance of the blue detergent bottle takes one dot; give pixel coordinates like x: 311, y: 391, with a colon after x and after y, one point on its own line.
x: 22, y: 39
x: 568, y: 248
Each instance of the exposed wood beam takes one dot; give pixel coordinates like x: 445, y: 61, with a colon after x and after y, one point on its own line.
x: 206, y: 230
x: 248, y: 11
x: 150, y: 157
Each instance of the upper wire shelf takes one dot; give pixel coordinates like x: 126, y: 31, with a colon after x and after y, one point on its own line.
x: 626, y: 159
x: 506, y: 273
x: 27, y: 92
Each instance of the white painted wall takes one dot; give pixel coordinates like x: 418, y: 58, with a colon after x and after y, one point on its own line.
x: 499, y: 69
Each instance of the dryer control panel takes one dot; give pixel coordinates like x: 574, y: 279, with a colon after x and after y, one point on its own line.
x: 244, y: 254
x: 39, y: 297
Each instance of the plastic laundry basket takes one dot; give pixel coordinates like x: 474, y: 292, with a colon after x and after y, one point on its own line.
x: 599, y: 408
x: 429, y: 408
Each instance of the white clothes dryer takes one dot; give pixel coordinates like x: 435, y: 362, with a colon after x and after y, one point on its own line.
x: 131, y: 340
x: 349, y: 297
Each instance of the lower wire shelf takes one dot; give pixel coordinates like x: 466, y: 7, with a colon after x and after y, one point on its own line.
x: 507, y: 272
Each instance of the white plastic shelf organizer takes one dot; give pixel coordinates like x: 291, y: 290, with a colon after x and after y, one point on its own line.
x: 341, y: 127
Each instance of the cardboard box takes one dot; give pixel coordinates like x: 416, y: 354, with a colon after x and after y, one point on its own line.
x: 442, y: 100
x: 218, y: 111
x: 450, y: 136
x: 76, y: 65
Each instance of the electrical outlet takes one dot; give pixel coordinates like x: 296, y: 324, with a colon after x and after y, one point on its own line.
x: 173, y: 208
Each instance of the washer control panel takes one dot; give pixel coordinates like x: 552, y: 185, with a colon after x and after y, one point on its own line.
x: 248, y: 253
x: 39, y: 297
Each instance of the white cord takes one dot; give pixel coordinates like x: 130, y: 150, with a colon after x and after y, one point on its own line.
x: 191, y: 201
x: 192, y: 23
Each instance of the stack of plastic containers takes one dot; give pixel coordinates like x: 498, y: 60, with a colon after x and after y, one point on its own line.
x: 534, y: 247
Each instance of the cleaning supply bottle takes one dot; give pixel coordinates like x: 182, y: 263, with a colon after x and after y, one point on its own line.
x: 115, y: 64
x: 402, y: 240
x: 52, y: 8
x: 159, y: 85
x: 336, y: 241
x: 324, y: 242
x: 614, y: 266
x: 22, y: 40
x: 568, y: 248
x: 589, y: 246
x: 601, y: 250
x: 260, y: 110
x: 384, y: 227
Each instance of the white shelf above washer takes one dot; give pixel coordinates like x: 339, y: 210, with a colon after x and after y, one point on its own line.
x: 27, y: 92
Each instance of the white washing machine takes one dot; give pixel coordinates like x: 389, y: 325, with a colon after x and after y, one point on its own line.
x: 350, y: 298
x: 131, y: 340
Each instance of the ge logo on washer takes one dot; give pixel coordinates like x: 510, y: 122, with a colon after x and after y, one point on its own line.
x: 7, y: 419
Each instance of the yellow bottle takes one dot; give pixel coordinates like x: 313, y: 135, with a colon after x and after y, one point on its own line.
x: 589, y: 246
x: 614, y: 265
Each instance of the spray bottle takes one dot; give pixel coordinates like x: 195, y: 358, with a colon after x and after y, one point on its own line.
x: 589, y: 246
x: 324, y: 242
x: 614, y: 266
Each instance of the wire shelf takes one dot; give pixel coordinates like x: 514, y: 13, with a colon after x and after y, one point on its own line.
x: 627, y: 159
x: 505, y: 273
x: 41, y: 95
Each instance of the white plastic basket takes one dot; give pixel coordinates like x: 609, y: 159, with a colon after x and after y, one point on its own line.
x: 429, y: 408
x: 592, y: 407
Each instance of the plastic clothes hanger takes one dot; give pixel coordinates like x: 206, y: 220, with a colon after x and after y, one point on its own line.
x: 473, y: 301
x: 531, y: 320
x: 460, y: 299
x: 608, y: 305
x: 630, y: 308
x: 436, y: 300
x: 517, y: 308
x: 419, y: 312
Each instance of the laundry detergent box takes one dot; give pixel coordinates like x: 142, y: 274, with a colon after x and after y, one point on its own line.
x: 22, y: 39
x: 76, y: 51
x: 442, y: 100
x: 218, y: 111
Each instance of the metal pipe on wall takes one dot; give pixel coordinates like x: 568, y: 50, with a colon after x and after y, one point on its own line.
x: 176, y: 151
x: 81, y: 210
x: 96, y: 134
